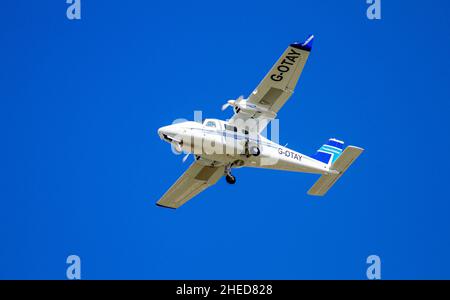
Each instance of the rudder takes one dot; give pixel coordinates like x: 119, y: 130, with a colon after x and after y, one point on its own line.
x: 329, y: 152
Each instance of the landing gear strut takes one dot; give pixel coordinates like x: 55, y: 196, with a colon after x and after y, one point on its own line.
x: 229, y: 178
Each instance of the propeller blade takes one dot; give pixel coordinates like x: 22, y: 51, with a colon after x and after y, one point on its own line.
x: 186, y: 157
x: 229, y: 103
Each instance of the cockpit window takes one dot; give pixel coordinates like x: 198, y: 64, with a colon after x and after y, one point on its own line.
x: 211, y: 124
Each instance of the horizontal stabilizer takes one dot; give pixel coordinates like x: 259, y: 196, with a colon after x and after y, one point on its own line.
x: 325, y: 182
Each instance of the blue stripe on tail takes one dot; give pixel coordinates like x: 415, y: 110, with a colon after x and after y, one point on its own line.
x: 330, y: 151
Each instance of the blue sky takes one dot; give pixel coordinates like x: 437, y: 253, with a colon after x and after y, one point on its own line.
x: 82, y: 165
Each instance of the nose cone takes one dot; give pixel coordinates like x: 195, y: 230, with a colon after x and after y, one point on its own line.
x: 166, y: 130
x: 171, y: 132
x: 161, y: 132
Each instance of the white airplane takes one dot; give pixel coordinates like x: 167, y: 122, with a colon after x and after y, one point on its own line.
x: 219, y: 146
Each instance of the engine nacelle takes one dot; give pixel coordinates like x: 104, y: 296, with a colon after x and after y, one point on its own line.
x: 251, y: 109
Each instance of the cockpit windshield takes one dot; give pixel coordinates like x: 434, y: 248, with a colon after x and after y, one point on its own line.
x: 211, y: 124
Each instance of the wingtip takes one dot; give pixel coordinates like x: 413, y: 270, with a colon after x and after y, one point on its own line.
x: 164, y: 206
x: 306, y: 45
x: 356, y: 147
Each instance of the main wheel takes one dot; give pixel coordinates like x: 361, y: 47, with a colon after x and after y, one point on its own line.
x: 230, y: 179
x: 254, y: 150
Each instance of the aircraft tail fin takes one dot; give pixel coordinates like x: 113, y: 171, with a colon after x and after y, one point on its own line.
x: 340, y: 165
x: 329, y: 152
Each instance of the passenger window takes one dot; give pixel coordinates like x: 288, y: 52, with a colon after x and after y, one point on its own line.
x: 230, y: 128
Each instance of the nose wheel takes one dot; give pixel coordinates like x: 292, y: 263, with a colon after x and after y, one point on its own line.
x: 251, y: 149
x: 254, y: 150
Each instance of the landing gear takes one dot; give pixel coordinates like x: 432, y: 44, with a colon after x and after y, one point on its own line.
x: 251, y: 149
x: 254, y: 150
x: 230, y: 179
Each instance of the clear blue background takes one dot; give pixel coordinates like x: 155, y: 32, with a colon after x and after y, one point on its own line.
x: 82, y: 166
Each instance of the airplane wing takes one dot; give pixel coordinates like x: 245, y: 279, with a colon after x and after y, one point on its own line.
x: 193, y: 181
x: 278, y: 85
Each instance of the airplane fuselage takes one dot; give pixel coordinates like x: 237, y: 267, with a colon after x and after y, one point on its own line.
x: 216, y: 143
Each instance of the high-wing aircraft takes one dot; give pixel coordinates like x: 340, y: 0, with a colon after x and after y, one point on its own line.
x: 219, y: 146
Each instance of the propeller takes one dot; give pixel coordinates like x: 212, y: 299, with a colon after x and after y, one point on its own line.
x: 229, y: 103
x: 232, y: 102
x: 186, y: 157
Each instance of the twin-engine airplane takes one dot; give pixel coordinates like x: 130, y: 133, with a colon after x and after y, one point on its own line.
x: 219, y: 146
